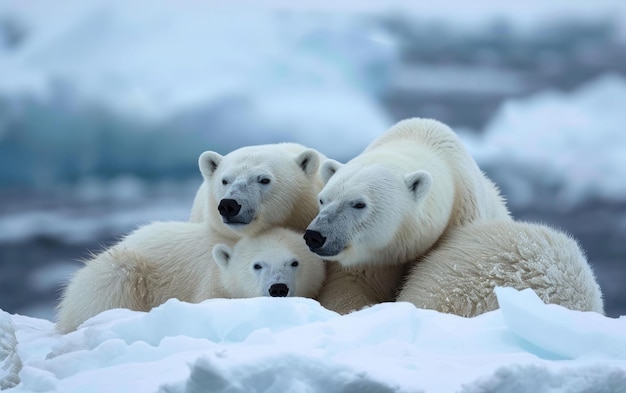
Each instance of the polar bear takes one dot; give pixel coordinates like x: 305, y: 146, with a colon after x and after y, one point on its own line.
x: 389, y: 205
x: 256, y: 187
x: 459, y: 275
x: 277, y: 263
x: 164, y: 260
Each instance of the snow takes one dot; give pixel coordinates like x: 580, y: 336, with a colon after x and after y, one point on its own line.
x: 272, y: 72
x: 257, y: 75
x: 98, y: 81
x: 10, y: 362
x: 308, y: 76
x: 176, y: 66
x: 458, y: 80
x: 571, y: 143
x: 201, y: 52
x: 294, y: 344
x: 97, y: 209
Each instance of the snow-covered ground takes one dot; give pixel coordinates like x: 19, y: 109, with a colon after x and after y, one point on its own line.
x: 295, y: 345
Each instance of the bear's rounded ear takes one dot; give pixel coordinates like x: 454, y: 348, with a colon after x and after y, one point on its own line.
x: 221, y: 255
x: 308, y: 161
x: 328, y: 169
x: 208, y: 163
x: 418, y: 183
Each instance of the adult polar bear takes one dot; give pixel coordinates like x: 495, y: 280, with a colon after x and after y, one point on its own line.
x: 392, y: 204
x: 258, y: 187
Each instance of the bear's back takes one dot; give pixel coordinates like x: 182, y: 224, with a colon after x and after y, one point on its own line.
x: 459, y: 275
x: 435, y: 147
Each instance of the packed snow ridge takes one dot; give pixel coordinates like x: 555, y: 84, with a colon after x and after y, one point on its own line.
x: 294, y: 344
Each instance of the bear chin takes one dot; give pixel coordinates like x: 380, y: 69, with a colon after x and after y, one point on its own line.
x: 236, y: 224
x: 346, y: 257
x: 329, y: 254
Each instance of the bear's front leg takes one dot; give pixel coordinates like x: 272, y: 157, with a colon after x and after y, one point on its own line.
x: 350, y: 289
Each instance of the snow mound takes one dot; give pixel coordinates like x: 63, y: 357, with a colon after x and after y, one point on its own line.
x: 294, y: 344
x: 276, y: 371
x: 559, y: 332
x: 535, y: 379
x: 10, y: 363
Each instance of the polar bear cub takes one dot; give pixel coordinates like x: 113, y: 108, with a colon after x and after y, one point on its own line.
x: 257, y: 187
x: 276, y: 264
x: 164, y: 260
x: 460, y: 275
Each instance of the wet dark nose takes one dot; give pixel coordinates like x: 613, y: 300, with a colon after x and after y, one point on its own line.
x: 279, y: 290
x: 228, y: 208
x: 314, y: 239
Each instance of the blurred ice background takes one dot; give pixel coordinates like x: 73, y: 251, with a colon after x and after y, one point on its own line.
x: 106, y: 105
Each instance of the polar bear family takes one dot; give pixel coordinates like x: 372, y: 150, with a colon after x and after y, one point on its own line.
x: 412, y: 218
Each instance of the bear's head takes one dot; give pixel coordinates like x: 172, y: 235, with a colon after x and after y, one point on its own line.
x: 367, y: 212
x: 277, y: 263
x: 256, y: 187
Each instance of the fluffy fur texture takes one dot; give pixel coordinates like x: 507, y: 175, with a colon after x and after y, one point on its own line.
x: 277, y: 263
x: 258, y: 187
x: 390, y: 205
x: 460, y: 275
x: 166, y: 260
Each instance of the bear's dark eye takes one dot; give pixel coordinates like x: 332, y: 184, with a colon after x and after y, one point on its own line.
x: 257, y: 266
x: 295, y: 263
x: 321, y: 202
x: 359, y: 205
x: 264, y: 180
x: 224, y: 181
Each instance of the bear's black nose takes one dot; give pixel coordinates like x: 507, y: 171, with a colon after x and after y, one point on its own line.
x: 279, y: 290
x: 228, y: 208
x: 314, y: 239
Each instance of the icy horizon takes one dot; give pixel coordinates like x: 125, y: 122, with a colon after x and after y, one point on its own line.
x: 520, y: 158
x: 104, y: 88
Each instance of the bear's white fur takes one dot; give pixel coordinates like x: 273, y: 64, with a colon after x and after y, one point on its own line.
x: 276, y: 263
x: 459, y: 276
x: 155, y: 262
x: 271, y: 185
x: 389, y: 205
x: 164, y: 260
